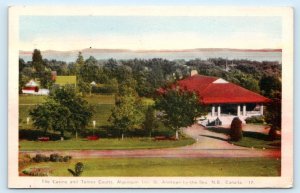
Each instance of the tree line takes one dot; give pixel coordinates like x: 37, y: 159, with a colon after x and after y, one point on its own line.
x: 132, y: 79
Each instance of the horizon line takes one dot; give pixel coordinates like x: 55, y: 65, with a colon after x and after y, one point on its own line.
x: 160, y: 50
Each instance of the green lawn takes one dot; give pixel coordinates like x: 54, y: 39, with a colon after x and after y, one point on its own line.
x: 31, y: 99
x: 167, y: 167
x: 258, y: 143
x: 102, y: 144
x: 252, y: 139
x: 103, y: 104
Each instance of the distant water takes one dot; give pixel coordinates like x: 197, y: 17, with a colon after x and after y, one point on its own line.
x: 186, y: 55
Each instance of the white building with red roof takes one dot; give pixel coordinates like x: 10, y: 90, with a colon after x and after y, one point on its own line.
x: 225, y: 99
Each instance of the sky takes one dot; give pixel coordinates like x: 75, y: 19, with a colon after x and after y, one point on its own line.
x: 66, y: 33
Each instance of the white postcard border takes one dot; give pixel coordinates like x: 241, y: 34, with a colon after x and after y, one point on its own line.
x: 286, y: 179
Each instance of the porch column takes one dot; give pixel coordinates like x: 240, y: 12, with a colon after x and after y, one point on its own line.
x: 238, y: 110
x: 213, y: 111
x: 219, y: 111
x: 262, y: 109
x: 244, y: 110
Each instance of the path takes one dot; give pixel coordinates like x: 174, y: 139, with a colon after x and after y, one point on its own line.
x: 209, y: 144
x: 208, y: 140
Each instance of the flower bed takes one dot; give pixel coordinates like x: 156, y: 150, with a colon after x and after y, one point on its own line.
x: 43, y: 138
x: 92, y: 137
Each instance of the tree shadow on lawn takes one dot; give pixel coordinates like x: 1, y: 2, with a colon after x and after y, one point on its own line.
x: 250, y: 134
x: 34, y: 134
x: 214, y: 137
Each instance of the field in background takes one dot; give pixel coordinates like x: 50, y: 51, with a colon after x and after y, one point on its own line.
x: 103, y: 104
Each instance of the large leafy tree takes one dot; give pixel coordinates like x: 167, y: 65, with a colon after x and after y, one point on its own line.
x: 51, y: 115
x: 81, y: 111
x: 63, y: 111
x: 128, y: 112
x: 179, y: 108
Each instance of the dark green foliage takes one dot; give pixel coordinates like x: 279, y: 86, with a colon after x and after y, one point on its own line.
x: 110, y: 87
x: 127, y: 114
x: 40, y: 158
x: 52, y: 158
x: 55, y: 157
x: 236, y: 132
x: 269, y: 84
x: 45, y: 79
x: 63, y: 110
x: 78, y: 169
x: 273, y: 114
x: 255, y: 119
x: 37, y: 61
x: 179, y: 108
x: 84, y: 87
x: 33, y: 134
x: 150, y: 122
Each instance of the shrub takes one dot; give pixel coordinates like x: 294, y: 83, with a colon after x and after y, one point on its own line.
x: 53, y: 158
x: 40, y: 158
x: 236, y: 132
x: 78, y: 169
x: 255, y: 119
x: 67, y: 158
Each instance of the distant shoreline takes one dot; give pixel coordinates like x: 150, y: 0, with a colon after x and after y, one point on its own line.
x: 188, y: 54
x: 157, y: 51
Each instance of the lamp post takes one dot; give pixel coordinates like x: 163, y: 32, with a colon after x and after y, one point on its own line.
x: 94, y: 125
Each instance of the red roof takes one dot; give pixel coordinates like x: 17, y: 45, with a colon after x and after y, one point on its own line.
x: 213, y: 90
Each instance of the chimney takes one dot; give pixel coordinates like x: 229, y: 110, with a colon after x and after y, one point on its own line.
x: 194, y: 72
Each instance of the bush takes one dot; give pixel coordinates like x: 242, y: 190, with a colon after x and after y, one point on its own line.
x: 40, y: 158
x: 78, y: 169
x: 236, y: 132
x: 67, y: 158
x: 53, y: 158
x: 255, y: 119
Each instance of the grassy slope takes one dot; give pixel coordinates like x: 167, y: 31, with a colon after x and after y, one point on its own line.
x: 169, y: 167
x: 79, y: 144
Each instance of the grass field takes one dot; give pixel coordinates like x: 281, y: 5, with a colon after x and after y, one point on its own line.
x: 167, y: 167
x: 258, y: 143
x: 102, y: 144
x: 251, y: 139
